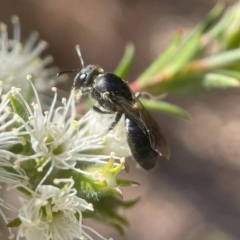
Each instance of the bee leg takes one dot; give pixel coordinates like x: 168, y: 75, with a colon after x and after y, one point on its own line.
x: 113, y: 124
x: 147, y: 95
x: 98, y: 110
x: 87, y: 90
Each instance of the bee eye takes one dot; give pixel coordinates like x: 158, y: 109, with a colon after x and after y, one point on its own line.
x: 83, y: 76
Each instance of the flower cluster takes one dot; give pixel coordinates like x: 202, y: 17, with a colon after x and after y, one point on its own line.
x: 61, y: 163
x: 18, y: 60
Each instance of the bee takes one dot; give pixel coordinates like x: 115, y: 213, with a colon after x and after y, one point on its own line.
x: 114, y: 95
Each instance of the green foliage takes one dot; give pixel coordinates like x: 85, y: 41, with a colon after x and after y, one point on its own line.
x: 165, y: 107
x: 19, y: 108
x: 14, y: 223
x: 125, y: 64
x: 101, y: 188
x: 108, y: 210
x: 198, y: 61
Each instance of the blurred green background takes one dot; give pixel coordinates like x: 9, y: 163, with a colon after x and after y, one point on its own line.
x: 196, y: 195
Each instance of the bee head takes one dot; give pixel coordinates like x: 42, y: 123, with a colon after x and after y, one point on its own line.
x: 84, y: 80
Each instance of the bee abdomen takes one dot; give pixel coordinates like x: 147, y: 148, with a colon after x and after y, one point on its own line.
x: 140, y: 145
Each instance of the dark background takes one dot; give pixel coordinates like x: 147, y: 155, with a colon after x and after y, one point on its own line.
x: 196, y: 195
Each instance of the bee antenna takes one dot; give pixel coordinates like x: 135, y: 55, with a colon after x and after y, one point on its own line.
x: 80, y: 55
x: 68, y: 71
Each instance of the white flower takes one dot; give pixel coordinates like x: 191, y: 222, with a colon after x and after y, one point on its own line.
x: 13, y: 178
x: 6, y: 119
x: 54, y: 214
x: 57, y: 138
x: 18, y: 60
x: 8, y: 137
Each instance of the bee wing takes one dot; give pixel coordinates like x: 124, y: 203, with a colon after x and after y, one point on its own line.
x: 145, y: 121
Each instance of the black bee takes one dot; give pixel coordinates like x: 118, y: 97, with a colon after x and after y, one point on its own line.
x: 114, y: 95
